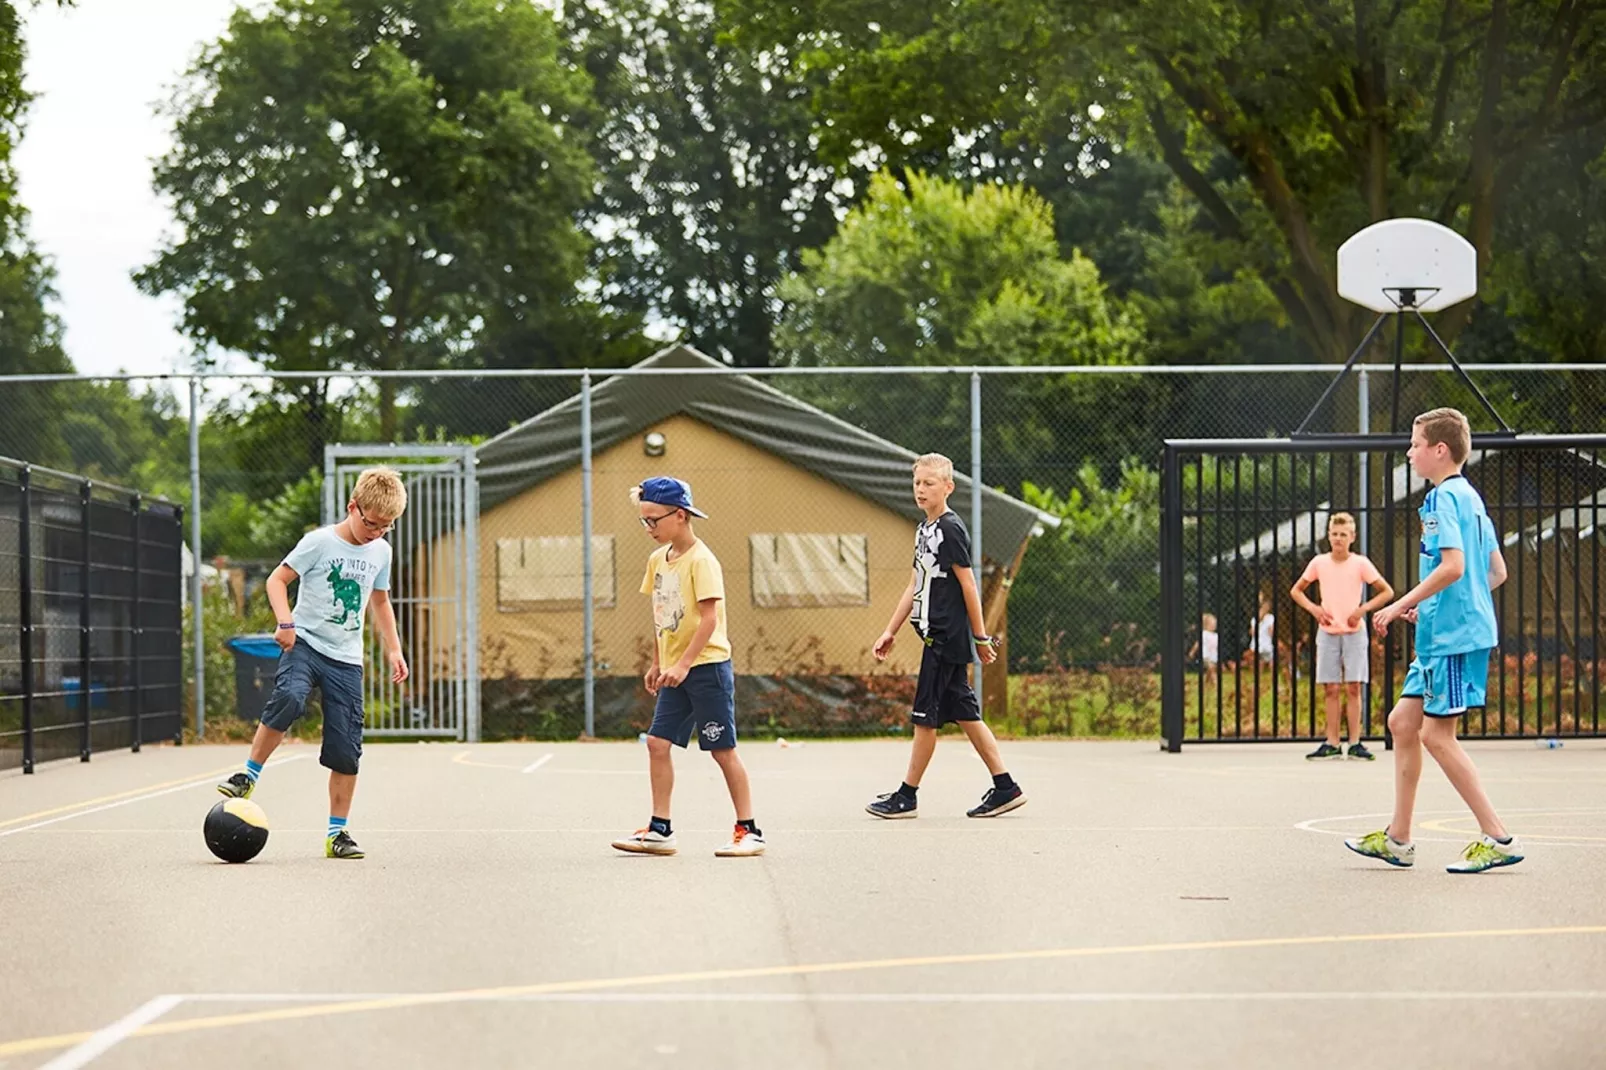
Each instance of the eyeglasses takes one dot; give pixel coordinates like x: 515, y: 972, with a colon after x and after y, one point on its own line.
x: 377, y: 529
x: 651, y: 522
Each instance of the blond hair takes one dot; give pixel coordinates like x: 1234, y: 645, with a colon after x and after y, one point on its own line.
x: 380, y: 491
x: 937, y: 463
x: 1343, y: 520
x: 1447, y: 426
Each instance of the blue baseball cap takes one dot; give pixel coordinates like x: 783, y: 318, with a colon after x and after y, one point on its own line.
x: 671, y: 492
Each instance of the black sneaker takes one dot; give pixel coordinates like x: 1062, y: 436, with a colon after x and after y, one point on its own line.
x: 1359, y: 753
x: 999, y: 801
x: 894, y: 805
x: 1325, y: 753
x: 238, y: 786
x: 341, y: 845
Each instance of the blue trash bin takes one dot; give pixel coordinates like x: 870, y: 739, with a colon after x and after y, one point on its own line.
x: 256, y: 658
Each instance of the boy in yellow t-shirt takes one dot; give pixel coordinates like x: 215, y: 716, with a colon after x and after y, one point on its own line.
x: 691, y: 667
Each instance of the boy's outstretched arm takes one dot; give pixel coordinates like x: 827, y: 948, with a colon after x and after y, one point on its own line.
x: 978, y: 621
x: 900, y: 617
x: 384, y: 615
x: 1452, y: 566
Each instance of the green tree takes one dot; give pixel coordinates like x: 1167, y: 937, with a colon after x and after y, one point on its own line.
x: 711, y: 179
x: 925, y: 273
x: 374, y: 185
x: 1291, y: 124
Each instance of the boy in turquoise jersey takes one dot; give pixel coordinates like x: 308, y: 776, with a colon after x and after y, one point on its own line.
x: 1456, y: 631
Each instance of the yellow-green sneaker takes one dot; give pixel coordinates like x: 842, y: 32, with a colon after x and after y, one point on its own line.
x: 1485, y: 853
x: 1385, y: 848
x: 341, y: 845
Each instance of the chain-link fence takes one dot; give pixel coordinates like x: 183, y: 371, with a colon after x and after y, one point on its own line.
x: 805, y: 475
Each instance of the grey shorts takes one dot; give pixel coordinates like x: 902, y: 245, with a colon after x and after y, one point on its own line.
x: 1342, y: 659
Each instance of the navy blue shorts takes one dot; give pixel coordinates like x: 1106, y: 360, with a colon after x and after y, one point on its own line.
x: 302, y: 668
x: 943, y: 694
x: 705, y: 702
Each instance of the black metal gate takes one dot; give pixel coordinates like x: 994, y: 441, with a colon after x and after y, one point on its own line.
x: 91, y: 617
x: 1241, y: 518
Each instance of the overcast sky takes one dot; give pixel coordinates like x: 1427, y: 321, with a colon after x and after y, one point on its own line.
x: 85, y: 166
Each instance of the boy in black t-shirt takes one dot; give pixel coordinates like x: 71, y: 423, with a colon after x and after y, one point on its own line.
x: 944, y: 606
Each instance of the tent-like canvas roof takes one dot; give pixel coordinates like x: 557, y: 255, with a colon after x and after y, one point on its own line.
x: 739, y: 405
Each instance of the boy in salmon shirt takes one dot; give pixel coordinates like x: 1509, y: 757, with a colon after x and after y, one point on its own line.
x: 1342, y: 664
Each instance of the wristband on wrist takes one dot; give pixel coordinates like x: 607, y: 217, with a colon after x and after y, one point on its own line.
x: 285, y: 626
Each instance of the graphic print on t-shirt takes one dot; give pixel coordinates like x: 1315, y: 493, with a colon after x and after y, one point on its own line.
x: 346, y: 594
x: 668, y: 605
x: 928, y: 541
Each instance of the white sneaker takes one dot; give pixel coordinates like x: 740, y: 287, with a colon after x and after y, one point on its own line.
x: 1486, y: 852
x: 646, y: 842
x: 743, y: 844
x: 1385, y: 848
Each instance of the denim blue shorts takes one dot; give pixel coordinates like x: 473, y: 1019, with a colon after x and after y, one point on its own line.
x: 705, y: 702
x: 302, y: 668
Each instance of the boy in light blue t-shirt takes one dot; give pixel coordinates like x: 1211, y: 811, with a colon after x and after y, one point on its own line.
x: 1456, y: 631
x: 343, y: 568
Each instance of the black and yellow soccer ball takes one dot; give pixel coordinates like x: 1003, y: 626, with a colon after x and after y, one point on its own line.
x: 236, y: 830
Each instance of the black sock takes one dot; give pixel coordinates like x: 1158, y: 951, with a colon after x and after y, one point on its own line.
x: 1003, y: 782
x: 660, y: 825
x: 1504, y: 843
x: 751, y: 826
x: 907, y: 790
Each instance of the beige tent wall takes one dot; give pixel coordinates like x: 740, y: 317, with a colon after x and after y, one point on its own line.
x: 744, y: 490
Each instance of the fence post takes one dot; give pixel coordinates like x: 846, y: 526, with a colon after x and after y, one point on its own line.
x: 975, y: 512
x: 471, y: 527
x: 195, y: 552
x: 25, y: 590
x: 85, y: 493
x: 1171, y: 602
x: 137, y: 729
x: 178, y: 596
x: 588, y: 579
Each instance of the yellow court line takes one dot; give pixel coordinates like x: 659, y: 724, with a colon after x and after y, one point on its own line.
x: 120, y: 795
x: 421, y: 999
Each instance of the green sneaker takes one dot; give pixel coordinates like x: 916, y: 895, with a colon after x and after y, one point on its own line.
x: 1325, y: 753
x: 1359, y: 753
x: 1485, y: 853
x: 341, y: 845
x: 238, y: 786
x: 1386, y: 848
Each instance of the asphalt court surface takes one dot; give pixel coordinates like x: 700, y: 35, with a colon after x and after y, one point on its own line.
x: 1143, y: 910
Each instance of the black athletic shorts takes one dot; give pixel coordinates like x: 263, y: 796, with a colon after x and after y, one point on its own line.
x: 943, y: 694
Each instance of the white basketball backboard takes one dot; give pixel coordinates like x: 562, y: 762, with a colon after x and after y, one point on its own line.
x: 1400, y: 262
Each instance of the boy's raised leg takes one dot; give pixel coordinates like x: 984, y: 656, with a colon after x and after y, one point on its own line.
x: 1438, y: 736
x: 263, y: 744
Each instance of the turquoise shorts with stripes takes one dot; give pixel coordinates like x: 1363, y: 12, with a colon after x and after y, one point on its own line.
x: 1449, y: 685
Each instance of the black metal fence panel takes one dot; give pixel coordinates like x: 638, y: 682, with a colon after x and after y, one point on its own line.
x: 1241, y: 519
x: 91, y: 617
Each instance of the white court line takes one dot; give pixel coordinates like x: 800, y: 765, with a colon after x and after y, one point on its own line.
x: 137, y: 798
x: 538, y: 763
x: 1309, y: 825
x: 1584, y: 995
x: 108, y: 1038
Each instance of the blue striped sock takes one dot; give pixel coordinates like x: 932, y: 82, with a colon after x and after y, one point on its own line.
x: 253, y: 770
x: 336, y: 825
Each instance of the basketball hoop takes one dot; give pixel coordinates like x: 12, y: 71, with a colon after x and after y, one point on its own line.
x: 1405, y: 267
